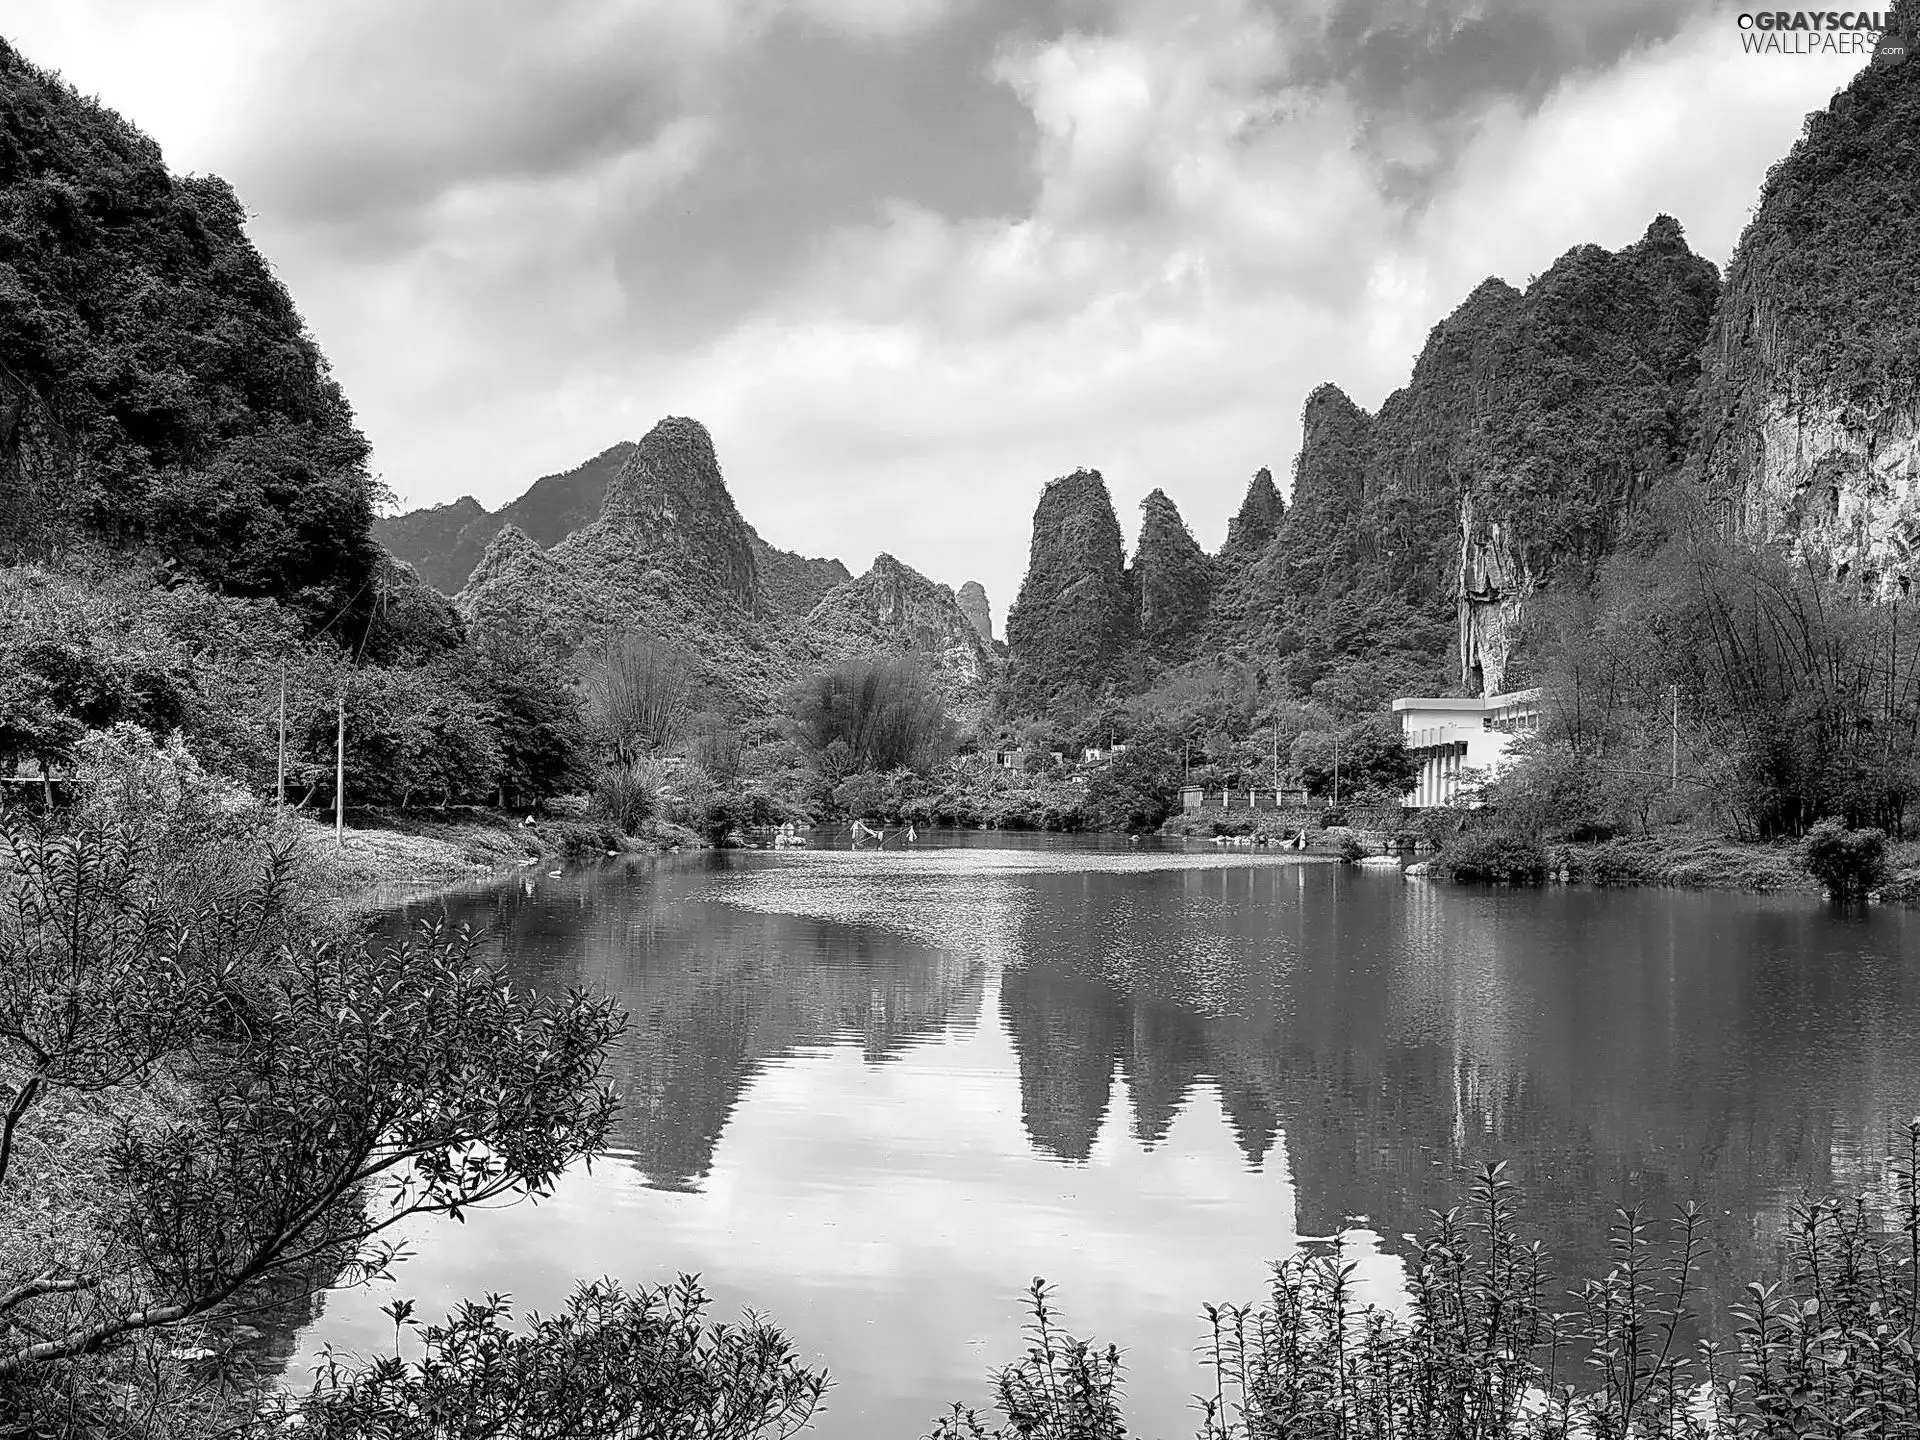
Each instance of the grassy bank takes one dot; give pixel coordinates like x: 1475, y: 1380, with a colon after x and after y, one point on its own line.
x: 1687, y: 859
x: 385, y: 853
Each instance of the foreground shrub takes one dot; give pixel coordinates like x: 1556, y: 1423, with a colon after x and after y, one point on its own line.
x: 640, y: 1366
x: 1500, y: 857
x: 1848, y: 862
x: 1061, y: 1389
x: 1488, y: 1347
x: 270, y: 1095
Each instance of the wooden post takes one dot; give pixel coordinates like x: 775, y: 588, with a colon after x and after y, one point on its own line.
x: 340, y: 771
x: 280, y: 775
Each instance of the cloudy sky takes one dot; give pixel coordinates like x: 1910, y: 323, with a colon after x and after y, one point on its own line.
x: 909, y: 259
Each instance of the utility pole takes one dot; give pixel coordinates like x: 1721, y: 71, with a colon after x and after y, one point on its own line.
x: 340, y: 771
x: 1675, y: 778
x: 280, y: 777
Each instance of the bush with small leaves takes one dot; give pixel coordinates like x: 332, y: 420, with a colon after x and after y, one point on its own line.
x: 1495, y: 857
x: 645, y: 1365
x: 1848, y: 862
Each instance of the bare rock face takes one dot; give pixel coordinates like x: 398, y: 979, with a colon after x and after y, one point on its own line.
x: 973, y: 604
x: 1810, y: 396
x: 1494, y: 585
x: 1172, y: 579
x: 672, y: 502
x: 895, y: 610
x: 1072, y: 623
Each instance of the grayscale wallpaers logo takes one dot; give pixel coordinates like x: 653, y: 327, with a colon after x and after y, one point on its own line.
x: 1824, y: 32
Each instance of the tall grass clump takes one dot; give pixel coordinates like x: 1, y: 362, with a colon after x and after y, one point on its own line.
x: 626, y: 796
x: 875, y: 715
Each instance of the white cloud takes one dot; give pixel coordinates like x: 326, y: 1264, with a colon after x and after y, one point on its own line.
x: 1188, y: 275
x: 869, y: 18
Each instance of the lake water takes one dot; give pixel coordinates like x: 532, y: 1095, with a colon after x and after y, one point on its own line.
x: 872, y: 1094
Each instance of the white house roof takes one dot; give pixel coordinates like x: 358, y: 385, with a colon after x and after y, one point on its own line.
x: 1468, y: 702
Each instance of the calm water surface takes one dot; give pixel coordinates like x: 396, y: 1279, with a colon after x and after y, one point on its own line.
x: 871, y: 1095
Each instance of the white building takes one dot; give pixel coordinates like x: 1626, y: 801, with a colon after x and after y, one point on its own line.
x: 1452, y: 736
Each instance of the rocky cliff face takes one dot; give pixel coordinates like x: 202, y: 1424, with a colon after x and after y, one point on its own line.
x: 895, y: 610
x: 1070, y: 627
x: 1810, y: 397
x: 1172, y: 581
x: 1493, y: 589
x: 973, y: 604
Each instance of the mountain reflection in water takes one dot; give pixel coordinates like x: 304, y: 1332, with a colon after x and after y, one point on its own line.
x: 871, y: 1094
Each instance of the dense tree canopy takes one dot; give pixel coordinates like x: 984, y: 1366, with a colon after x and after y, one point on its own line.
x: 157, y: 386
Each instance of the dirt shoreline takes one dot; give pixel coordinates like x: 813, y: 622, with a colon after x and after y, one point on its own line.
x: 387, y: 860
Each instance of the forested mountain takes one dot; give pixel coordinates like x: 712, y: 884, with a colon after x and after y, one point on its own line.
x: 1071, y: 630
x: 1535, y: 424
x: 670, y: 556
x: 159, y: 393
x: 1532, y: 425
x: 444, y: 543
